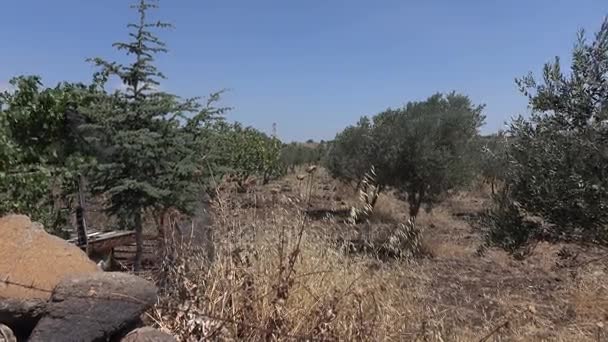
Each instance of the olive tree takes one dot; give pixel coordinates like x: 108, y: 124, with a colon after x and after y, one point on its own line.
x: 491, y: 158
x: 558, y: 157
x: 422, y: 149
x: 349, y: 154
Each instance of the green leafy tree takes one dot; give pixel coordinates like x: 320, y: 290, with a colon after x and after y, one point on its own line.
x: 558, y: 158
x: 420, y: 150
x: 291, y: 156
x: 492, y: 158
x: 151, y: 140
x: 296, y: 154
x: 350, y: 155
x: 247, y: 152
x: 40, y: 150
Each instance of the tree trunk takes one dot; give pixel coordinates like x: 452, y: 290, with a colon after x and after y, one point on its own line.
x: 492, y: 185
x: 139, y: 241
x: 240, y: 187
x: 415, y: 205
x: 161, y: 228
x: 414, y: 211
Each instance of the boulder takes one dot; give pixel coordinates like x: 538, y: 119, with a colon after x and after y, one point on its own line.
x: 21, y: 315
x: 6, y: 334
x: 31, y: 257
x: 94, y: 307
x: 148, y: 334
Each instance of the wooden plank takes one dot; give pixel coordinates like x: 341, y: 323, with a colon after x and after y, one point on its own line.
x: 109, y: 240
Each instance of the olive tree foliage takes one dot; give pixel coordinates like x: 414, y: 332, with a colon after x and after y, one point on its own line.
x: 40, y: 150
x: 492, y: 159
x: 350, y: 154
x: 296, y: 154
x: 558, y: 158
x: 244, y: 152
x: 421, y: 150
x: 152, y: 142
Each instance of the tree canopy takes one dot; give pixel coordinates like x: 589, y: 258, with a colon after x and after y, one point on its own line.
x: 152, y: 139
x: 421, y: 150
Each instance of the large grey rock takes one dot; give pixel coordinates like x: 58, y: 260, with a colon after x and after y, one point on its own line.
x: 148, y: 334
x: 6, y: 334
x: 21, y: 315
x: 94, y: 307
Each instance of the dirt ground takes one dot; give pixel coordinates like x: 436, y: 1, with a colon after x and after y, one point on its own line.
x: 559, y: 293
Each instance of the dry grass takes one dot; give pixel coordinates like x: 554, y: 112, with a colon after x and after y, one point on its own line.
x: 277, y: 275
x: 275, y: 280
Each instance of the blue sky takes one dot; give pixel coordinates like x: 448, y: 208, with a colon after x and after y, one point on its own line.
x: 312, y: 66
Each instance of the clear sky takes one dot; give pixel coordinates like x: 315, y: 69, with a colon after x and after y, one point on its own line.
x: 311, y: 66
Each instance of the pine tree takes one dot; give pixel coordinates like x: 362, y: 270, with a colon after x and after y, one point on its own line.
x: 150, y: 140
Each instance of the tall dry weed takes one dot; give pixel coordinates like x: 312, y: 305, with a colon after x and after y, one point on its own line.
x: 272, y: 279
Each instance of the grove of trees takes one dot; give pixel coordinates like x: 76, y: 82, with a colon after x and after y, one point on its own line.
x: 143, y: 149
x: 147, y: 150
x: 552, y: 164
x: 296, y: 154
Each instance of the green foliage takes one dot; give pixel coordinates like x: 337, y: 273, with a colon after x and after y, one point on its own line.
x: 492, y: 158
x: 424, y: 147
x: 151, y: 142
x: 350, y: 154
x: 420, y: 150
x: 508, y: 228
x: 39, y: 150
x: 558, y: 158
x: 296, y: 154
x: 245, y: 152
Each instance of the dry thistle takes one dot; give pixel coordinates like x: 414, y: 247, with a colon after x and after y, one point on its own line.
x: 311, y: 169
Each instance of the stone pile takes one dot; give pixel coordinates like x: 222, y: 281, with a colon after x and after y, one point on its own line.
x: 51, y: 291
